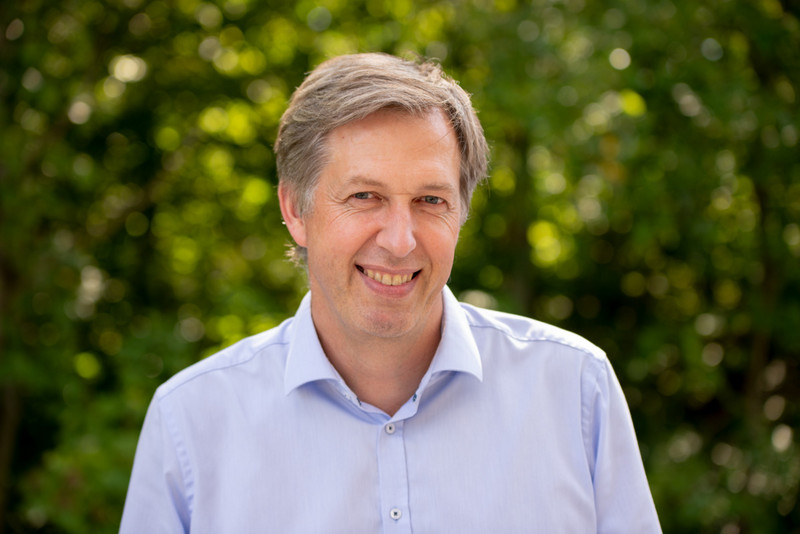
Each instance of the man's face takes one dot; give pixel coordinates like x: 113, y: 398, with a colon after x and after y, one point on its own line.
x: 382, y: 231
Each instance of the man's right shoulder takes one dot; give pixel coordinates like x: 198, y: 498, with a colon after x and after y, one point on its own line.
x: 243, y: 353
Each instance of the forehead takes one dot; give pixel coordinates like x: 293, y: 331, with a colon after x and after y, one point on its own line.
x: 434, y: 121
x: 391, y: 141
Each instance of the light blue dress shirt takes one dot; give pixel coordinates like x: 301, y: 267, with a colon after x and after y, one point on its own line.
x: 517, y: 426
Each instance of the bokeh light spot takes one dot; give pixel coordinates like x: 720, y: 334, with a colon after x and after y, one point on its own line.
x: 782, y: 438
x: 128, y: 68
x: 86, y: 365
x: 136, y: 224
x: 711, y: 49
x: 632, y: 103
x: 619, y: 58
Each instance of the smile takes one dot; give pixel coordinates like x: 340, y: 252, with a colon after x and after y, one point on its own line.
x: 388, y: 279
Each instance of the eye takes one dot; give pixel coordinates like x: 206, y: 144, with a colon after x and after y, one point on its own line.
x: 430, y: 199
x: 362, y: 195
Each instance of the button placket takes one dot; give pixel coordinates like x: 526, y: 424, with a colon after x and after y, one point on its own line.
x: 393, y: 477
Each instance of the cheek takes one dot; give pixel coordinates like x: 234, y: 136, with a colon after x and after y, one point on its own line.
x: 344, y: 233
x: 440, y: 239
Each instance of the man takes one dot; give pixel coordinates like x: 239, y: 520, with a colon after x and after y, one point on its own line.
x: 384, y: 405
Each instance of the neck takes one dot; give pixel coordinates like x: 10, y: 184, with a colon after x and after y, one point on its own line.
x: 384, y: 372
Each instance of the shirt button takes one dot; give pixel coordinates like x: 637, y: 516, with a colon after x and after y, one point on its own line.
x: 390, y: 428
x: 395, y: 513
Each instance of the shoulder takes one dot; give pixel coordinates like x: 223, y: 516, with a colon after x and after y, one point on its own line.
x: 527, y: 332
x: 241, y: 354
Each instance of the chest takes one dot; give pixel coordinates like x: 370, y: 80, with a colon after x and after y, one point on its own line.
x: 464, y: 463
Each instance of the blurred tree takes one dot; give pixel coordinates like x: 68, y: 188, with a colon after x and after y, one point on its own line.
x: 645, y: 192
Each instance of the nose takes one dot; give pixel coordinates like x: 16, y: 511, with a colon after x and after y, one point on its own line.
x: 396, y: 234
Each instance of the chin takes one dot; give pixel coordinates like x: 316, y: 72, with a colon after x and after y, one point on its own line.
x: 386, y: 326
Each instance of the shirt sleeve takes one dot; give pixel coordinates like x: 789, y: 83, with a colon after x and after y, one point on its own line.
x: 623, y: 501
x: 157, y: 501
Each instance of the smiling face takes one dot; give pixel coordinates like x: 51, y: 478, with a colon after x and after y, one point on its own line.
x: 382, y: 232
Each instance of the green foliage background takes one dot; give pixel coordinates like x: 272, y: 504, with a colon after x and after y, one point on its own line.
x: 645, y: 192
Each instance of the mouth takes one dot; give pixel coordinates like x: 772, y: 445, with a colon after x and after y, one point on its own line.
x: 388, y: 279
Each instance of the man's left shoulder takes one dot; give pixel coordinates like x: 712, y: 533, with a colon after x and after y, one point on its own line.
x: 526, y: 330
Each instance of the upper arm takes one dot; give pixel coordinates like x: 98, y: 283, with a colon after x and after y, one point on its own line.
x: 158, y: 499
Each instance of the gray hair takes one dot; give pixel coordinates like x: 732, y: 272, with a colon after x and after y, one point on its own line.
x: 350, y: 88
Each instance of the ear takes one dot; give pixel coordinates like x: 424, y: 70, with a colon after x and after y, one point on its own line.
x: 291, y: 217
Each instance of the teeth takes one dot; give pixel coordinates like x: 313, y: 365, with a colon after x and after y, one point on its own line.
x: 388, y: 279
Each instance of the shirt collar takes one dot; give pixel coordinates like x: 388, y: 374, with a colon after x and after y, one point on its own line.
x: 457, y: 349
x: 306, y: 361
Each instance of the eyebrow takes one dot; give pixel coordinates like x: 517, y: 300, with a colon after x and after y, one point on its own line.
x: 359, y: 180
